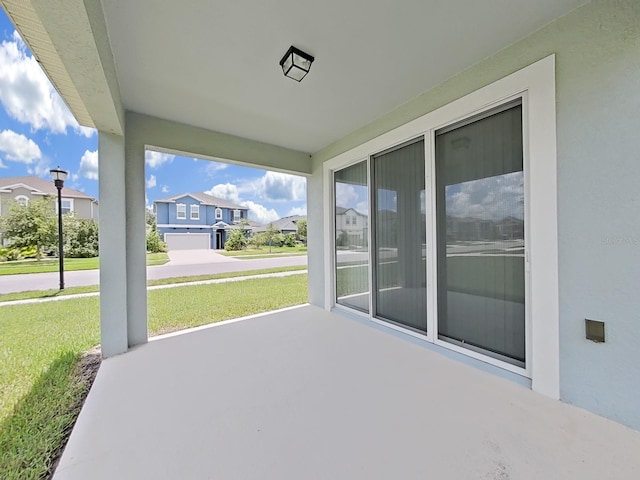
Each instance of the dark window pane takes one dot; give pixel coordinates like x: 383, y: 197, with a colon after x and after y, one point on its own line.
x: 480, y: 225
x: 352, y: 227
x: 400, y: 252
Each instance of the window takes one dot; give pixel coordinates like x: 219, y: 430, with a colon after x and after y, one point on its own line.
x: 480, y: 205
x: 399, y: 255
x: 195, y: 212
x: 22, y: 200
x: 352, y: 252
x: 218, y: 213
x: 181, y: 211
x: 486, y: 204
x: 236, y: 215
x: 67, y: 205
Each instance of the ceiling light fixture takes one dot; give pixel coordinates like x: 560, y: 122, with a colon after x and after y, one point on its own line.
x: 296, y: 63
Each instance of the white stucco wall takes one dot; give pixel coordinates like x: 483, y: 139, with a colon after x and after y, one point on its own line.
x: 597, y: 49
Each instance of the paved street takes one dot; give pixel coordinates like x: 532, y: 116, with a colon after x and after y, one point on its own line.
x: 48, y: 281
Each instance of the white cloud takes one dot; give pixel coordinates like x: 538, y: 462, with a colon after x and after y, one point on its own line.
x: 18, y: 148
x: 298, y: 211
x: 28, y: 96
x: 156, y: 159
x: 212, y: 168
x: 492, y: 198
x: 260, y: 213
x: 280, y: 187
x: 165, y: 189
x: 151, y: 182
x: 225, y: 191
x: 40, y: 168
x: 363, y: 207
x: 89, y: 165
x: 2, y: 165
x: 345, y: 195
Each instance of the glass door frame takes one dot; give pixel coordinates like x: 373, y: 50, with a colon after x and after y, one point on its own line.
x: 431, y: 241
x: 432, y: 294
x: 536, y: 84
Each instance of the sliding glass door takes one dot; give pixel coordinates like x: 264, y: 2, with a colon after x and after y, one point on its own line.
x: 400, y: 232
x: 480, y: 232
x: 473, y: 209
x: 351, y: 187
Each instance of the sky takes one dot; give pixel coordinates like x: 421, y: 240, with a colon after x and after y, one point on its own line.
x: 38, y: 132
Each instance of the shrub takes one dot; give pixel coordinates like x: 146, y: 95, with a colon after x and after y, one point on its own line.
x: 236, y: 240
x: 301, y: 232
x: 80, y: 237
x: 10, y: 254
x: 289, y: 240
x: 155, y: 243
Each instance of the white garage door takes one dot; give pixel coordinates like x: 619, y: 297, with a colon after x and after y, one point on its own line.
x: 187, y: 241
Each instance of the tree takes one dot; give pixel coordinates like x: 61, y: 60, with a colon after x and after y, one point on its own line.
x: 31, y: 225
x: 270, y: 235
x: 150, y: 220
x: 236, y: 239
x: 289, y: 240
x: 301, y: 230
x: 80, y: 237
x: 155, y: 243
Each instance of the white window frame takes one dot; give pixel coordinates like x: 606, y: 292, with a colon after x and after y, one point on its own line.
x: 535, y: 84
x: 181, y: 211
x: 194, y: 208
x: 21, y: 198
x: 218, y: 213
x: 71, y: 205
x: 236, y: 215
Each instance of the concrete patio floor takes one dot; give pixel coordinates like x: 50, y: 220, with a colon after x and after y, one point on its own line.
x: 306, y: 394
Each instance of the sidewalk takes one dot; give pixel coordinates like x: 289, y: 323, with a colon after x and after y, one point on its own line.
x: 155, y: 287
x: 81, y: 278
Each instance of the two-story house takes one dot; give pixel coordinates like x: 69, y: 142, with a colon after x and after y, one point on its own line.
x: 26, y: 189
x: 351, y: 227
x: 196, y: 220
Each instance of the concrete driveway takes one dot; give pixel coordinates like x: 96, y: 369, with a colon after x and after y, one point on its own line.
x: 193, y: 257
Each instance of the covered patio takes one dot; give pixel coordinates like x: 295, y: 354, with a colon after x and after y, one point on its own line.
x: 308, y: 393
x: 305, y: 393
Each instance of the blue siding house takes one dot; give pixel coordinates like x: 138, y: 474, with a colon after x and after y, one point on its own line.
x: 196, y: 220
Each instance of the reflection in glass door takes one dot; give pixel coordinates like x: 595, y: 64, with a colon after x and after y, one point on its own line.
x: 399, y: 276
x: 351, y: 190
x: 480, y: 230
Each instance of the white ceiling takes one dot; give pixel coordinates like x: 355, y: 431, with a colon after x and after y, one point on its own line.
x: 214, y: 64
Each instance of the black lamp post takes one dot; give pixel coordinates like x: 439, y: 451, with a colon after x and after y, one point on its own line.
x: 59, y: 176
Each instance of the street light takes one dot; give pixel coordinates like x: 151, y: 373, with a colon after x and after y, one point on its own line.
x: 59, y: 176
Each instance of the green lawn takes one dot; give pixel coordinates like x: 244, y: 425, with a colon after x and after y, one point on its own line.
x: 7, y: 297
x: 40, y: 345
x: 262, y: 251
x: 70, y: 264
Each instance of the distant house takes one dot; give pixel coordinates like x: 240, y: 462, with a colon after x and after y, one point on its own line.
x: 284, y: 225
x: 196, y: 220
x: 351, y: 227
x: 27, y: 189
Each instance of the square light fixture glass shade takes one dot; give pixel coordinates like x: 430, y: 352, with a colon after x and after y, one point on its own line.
x: 58, y: 174
x: 296, y: 63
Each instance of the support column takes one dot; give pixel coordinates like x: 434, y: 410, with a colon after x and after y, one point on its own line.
x: 136, y: 244
x: 317, y: 237
x: 113, y: 245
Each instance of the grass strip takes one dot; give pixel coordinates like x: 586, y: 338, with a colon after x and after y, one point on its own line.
x: 8, y: 297
x: 40, y: 386
x: 275, y: 251
x: 49, y: 265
